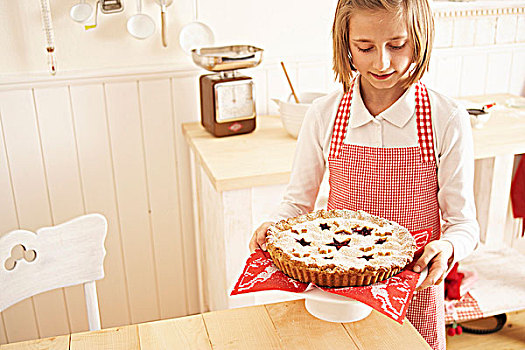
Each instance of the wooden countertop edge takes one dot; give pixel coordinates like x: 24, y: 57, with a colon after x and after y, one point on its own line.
x: 240, y: 182
x: 520, y: 149
x: 236, y: 183
x: 252, y: 181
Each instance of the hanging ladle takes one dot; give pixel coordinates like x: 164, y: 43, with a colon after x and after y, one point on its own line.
x: 81, y: 12
x: 163, y: 5
x: 141, y: 25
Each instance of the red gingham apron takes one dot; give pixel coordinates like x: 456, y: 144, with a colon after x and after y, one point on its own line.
x: 399, y: 184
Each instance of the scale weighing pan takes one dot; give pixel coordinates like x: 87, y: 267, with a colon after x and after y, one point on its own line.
x: 337, y: 308
x: 222, y: 58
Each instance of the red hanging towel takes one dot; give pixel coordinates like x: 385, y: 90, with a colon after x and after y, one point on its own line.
x: 517, y: 193
x: 453, y: 283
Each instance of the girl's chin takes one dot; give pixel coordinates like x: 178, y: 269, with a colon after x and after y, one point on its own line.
x: 381, y: 84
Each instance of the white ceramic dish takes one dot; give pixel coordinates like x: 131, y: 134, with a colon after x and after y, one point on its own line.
x: 292, y: 113
x: 516, y: 102
x: 81, y: 12
x: 195, y: 35
x: 336, y: 308
x: 478, y: 121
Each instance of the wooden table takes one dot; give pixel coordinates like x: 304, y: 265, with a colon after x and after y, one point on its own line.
x: 273, y: 326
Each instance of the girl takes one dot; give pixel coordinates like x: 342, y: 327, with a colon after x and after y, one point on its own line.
x: 391, y: 147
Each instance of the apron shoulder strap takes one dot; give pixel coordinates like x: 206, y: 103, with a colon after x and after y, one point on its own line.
x: 341, y: 122
x: 423, y: 115
x: 424, y: 123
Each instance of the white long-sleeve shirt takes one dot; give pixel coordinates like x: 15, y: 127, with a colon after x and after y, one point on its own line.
x: 394, y: 127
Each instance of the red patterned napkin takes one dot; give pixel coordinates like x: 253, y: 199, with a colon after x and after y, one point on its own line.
x: 390, y: 297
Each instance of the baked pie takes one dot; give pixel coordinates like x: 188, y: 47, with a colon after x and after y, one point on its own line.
x: 339, y: 248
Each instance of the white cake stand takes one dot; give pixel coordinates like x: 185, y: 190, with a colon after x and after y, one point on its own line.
x: 336, y: 308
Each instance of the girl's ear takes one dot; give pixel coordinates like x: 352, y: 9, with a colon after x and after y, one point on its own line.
x: 352, y: 67
x: 411, y: 69
x: 350, y: 60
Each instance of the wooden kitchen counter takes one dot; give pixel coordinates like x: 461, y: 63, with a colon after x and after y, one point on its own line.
x: 273, y: 326
x: 265, y: 156
x: 504, y: 133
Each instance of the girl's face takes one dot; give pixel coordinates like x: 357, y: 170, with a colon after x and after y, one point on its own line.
x: 381, y: 49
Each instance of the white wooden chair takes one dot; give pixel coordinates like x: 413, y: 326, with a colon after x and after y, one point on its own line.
x: 59, y: 256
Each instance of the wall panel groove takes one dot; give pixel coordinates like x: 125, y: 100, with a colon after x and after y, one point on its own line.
x: 9, y: 219
x: 48, y: 305
x: 29, y: 192
x: 62, y: 174
x: 148, y: 198
x: 131, y: 188
x: 184, y: 97
x: 161, y: 176
x: 98, y: 183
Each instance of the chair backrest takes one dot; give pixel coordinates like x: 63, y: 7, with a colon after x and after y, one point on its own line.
x: 68, y: 254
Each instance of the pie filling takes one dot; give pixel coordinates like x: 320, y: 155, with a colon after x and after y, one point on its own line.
x: 338, y: 248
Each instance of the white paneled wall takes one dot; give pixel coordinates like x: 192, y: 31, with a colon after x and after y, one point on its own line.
x: 107, y: 147
x: 478, y: 50
x: 111, y: 142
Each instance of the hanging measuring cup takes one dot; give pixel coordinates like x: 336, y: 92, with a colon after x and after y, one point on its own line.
x: 140, y: 25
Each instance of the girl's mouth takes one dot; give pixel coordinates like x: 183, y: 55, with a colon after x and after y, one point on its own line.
x: 382, y: 76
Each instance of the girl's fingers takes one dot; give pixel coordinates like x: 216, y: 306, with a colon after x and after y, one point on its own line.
x: 262, y: 241
x: 253, y: 244
x: 259, y: 237
x: 425, y: 258
x: 436, y: 272
x: 436, y: 256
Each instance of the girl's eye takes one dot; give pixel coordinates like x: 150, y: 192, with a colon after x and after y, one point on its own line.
x: 397, y: 47
x: 364, y: 50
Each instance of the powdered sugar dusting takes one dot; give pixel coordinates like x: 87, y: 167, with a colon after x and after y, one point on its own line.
x: 344, y: 239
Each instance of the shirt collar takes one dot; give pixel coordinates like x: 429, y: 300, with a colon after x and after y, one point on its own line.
x: 398, y: 114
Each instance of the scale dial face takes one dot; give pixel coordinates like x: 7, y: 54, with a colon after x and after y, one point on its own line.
x: 234, y: 100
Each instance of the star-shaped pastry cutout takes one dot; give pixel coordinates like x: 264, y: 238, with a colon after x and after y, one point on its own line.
x: 338, y: 245
x: 365, y: 231
x: 303, y: 242
x: 381, y: 241
x: 324, y: 226
x: 367, y: 257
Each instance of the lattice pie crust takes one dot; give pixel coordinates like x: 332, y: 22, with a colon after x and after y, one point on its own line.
x: 340, y: 248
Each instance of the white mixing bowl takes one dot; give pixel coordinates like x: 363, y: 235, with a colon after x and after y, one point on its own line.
x: 292, y: 114
x: 478, y: 118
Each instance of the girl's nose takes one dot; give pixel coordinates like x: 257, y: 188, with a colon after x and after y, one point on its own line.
x: 382, y: 61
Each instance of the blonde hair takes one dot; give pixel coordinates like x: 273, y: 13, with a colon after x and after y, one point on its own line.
x: 420, y: 26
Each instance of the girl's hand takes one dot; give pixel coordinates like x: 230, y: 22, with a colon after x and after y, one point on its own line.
x: 437, y: 255
x: 259, y: 237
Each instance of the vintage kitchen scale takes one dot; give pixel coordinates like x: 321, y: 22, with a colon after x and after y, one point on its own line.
x: 227, y: 97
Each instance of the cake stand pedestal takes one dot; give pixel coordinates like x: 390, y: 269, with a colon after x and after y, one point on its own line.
x: 337, y: 308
